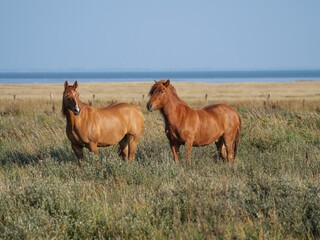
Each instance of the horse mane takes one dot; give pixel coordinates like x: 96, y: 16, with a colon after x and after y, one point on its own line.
x: 172, y: 89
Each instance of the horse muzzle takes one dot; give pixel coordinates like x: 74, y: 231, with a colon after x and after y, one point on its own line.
x: 76, y: 110
x: 150, y: 107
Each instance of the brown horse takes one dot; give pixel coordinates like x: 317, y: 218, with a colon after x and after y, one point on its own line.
x: 183, y: 125
x: 89, y: 127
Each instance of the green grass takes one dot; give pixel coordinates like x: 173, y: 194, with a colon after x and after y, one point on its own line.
x: 272, y: 192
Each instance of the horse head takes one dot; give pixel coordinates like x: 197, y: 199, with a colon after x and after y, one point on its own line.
x: 71, y: 97
x: 158, y: 95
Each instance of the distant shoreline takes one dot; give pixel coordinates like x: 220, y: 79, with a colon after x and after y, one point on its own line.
x: 179, y: 76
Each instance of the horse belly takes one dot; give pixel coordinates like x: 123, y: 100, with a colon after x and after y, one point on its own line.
x: 107, y: 141
x: 111, y: 135
x: 207, y: 133
x: 205, y: 139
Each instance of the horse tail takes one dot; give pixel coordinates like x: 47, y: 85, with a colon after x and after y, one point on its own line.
x: 237, y: 139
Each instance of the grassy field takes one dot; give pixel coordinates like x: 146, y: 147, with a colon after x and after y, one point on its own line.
x: 272, y: 192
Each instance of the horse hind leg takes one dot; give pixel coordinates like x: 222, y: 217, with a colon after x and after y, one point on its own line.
x: 221, y: 148
x: 124, y: 147
x: 236, y: 143
x: 133, y: 143
x: 231, y: 146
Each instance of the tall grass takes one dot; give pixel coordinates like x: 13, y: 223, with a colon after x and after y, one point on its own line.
x: 273, y: 191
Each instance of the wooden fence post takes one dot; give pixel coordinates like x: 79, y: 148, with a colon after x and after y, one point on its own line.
x: 52, y: 102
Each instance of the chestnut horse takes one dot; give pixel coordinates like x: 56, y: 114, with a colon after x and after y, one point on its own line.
x: 183, y: 125
x: 90, y: 127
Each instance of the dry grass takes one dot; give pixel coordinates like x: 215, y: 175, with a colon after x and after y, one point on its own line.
x: 272, y: 192
x: 191, y: 91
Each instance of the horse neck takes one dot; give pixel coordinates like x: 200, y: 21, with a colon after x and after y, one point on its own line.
x: 173, y: 105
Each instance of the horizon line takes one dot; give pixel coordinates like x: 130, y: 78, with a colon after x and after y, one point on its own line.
x: 113, y: 70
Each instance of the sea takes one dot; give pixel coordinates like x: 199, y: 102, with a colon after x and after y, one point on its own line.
x: 145, y: 76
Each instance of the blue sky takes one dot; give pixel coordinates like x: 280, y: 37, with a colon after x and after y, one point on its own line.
x: 159, y: 35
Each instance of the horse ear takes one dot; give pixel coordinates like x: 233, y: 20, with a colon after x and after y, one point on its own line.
x: 66, y: 84
x: 75, y: 85
x: 155, y: 81
x: 167, y: 83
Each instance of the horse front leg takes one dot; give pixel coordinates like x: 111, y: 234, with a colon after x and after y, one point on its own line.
x: 188, y: 140
x: 93, y: 147
x: 78, y: 150
x: 175, y: 150
x: 188, y: 144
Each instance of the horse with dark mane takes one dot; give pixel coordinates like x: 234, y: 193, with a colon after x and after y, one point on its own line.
x: 90, y: 127
x: 217, y: 123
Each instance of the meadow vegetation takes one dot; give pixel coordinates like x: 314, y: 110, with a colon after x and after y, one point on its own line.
x: 272, y: 192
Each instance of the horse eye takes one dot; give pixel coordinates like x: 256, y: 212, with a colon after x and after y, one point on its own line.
x: 69, y: 100
x: 161, y: 91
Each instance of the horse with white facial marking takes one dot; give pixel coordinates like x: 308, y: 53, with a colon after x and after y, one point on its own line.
x: 120, y: 123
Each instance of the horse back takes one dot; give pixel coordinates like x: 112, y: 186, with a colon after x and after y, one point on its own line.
x: 130, y: 115
x: 223, y: 115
